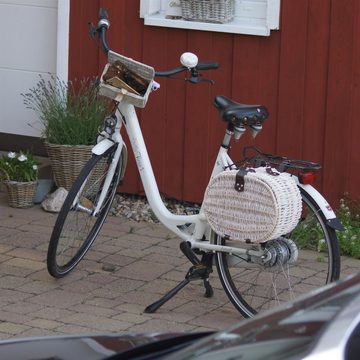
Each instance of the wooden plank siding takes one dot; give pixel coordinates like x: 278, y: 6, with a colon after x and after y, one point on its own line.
x: 307, y: 74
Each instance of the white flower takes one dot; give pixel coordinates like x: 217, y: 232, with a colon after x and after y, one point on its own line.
x: 34, y: 167
x: 22, y: 158
x: 11, y: 155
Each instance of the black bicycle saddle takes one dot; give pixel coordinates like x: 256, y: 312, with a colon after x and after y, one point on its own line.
x: 240, y: 114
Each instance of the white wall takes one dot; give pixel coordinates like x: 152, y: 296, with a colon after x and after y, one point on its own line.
x: 28, y: 47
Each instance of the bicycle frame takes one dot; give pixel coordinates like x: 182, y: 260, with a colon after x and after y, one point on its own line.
x: 179, y: 224
x: 191, y: 228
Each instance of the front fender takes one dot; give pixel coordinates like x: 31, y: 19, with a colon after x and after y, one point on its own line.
x: 102, y: 146
x: 105, y: 144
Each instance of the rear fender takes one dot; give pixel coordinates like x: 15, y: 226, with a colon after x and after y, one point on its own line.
x: 324, y: 206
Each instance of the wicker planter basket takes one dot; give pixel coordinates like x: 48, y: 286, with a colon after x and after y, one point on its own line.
x: 269, y: 206
x: 67, y: 161
x: 20, y: 194
x: 214, y: 11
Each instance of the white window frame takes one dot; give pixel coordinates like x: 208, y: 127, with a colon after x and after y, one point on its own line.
x: 252, y: 17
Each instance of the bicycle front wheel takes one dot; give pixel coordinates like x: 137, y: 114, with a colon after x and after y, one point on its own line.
x: 76, y: 226
x: 302, y: 261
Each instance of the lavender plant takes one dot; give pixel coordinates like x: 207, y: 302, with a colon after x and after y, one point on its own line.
x: 70, y: 112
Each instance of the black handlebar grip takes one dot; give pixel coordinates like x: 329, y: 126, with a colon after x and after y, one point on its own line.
x: 207, y: 66
x: 103, y: 26
x: 104, y: 22
x: 103, y: 14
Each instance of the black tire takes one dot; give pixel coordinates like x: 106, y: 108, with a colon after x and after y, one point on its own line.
x: 254, y: 287
x: 76, y: 229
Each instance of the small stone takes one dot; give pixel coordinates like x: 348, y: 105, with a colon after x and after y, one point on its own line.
x: 54, y: 201
x: 108, y: 267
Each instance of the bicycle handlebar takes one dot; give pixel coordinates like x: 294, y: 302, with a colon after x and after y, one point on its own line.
x: 103, y: 26
x: 200, y: 66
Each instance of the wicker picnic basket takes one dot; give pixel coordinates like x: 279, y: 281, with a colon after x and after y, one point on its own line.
x: 214, y: 11
x: 269, y: 205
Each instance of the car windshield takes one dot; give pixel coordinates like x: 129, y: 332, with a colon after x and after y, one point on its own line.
x: 287, y: 334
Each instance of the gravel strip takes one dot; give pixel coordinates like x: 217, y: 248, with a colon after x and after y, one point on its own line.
x: 135, y: 207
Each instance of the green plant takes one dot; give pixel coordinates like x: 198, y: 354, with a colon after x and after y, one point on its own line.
x: 70, y: 112
x: 349, y: 216
x: 18, y: 167
x: 309, y: 234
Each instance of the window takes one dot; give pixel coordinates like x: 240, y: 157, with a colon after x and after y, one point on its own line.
x: 252, y: 17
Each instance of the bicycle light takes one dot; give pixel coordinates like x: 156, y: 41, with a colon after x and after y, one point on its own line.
x: 307, y: 178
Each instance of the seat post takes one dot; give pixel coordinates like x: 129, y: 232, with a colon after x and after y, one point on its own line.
x: 227, y: 138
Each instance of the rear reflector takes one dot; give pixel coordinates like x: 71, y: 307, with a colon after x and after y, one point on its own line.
x: 307, y: 178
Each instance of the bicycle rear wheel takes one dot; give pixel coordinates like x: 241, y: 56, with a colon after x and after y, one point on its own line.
x: 303, y: 260
x: 76, y: 227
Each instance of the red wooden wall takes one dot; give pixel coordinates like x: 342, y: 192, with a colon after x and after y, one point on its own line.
x: 307, y: 74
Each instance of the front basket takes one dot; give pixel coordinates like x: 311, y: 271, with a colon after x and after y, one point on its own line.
x: 122, y: 92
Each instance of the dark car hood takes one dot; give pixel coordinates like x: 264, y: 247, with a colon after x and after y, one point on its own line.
x: 89, y: 347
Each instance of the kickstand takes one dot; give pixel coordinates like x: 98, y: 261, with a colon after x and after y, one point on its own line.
x: 199, y: 271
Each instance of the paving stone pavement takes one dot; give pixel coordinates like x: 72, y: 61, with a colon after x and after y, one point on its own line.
x: 145, y: 261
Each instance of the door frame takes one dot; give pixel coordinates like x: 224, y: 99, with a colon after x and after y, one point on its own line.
x: 63, y: 26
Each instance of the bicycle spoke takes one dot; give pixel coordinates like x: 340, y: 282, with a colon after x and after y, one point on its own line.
x: 299, y: 262
x: 78, y: 225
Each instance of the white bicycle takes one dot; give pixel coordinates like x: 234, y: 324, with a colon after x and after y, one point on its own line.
x: 254, y: 275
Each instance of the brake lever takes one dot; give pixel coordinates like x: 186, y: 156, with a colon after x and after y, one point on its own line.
x: 197, y: 80
x: 92, y: 30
